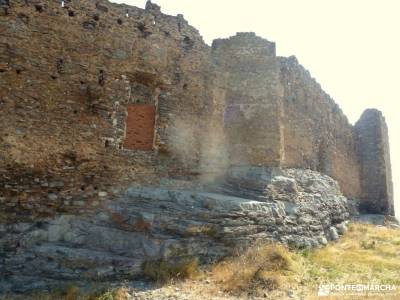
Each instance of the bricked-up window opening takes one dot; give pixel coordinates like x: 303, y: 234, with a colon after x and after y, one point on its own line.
x: 140, y: 127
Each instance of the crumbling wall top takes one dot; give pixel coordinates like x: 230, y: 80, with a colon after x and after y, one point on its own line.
x: 152, y: 7
x: 248, y: 41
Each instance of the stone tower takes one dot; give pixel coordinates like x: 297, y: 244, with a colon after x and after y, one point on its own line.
x: 277, y: 115
x: 252, y: 99
x: 376, y: 173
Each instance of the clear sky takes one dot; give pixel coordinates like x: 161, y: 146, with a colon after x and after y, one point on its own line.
x: 352, y: 47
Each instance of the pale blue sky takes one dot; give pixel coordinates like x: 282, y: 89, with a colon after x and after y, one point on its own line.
x: 352, y: 47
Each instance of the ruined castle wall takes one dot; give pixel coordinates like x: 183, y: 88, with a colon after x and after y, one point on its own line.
x: 277, y: 115
x: 252, y: 112
x: 317, y: 135
x: 376, y: 174
x: 95, y: 95
x: 67, y: 77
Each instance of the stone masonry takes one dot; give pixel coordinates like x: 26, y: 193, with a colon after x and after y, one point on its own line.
x: 68, y: 94
x: 373, y: 148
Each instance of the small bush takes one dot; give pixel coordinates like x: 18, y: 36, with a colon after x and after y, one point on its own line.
x: 396, y: 242
x: 367, y: 245
x: 71, y: 293
x: 267, y: 280
x: 117, y: 294
x: 163, y: 271
x: 261, y: 267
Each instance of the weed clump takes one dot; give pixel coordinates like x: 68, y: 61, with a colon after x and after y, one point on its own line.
x: 162, y: 270
x: 262, y: 267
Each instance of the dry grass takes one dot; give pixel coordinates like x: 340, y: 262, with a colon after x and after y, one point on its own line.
x: 116, y: 294
x: 366, y: 254
x: 262, y: 267
x: 162, y: 271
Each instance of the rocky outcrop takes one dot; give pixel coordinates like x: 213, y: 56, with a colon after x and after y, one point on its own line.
x: 300, y: 208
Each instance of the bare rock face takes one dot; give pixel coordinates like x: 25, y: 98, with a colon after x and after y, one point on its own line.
x: 146, y: 224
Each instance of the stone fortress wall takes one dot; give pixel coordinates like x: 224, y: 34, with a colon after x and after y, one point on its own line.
x: 95, y: 95
x: 292, y: 121
x: 126, y: 140
x: 373, y: 150
x: 68, y: 75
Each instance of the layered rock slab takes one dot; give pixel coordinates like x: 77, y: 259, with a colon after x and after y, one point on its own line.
x: 147, y: 224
